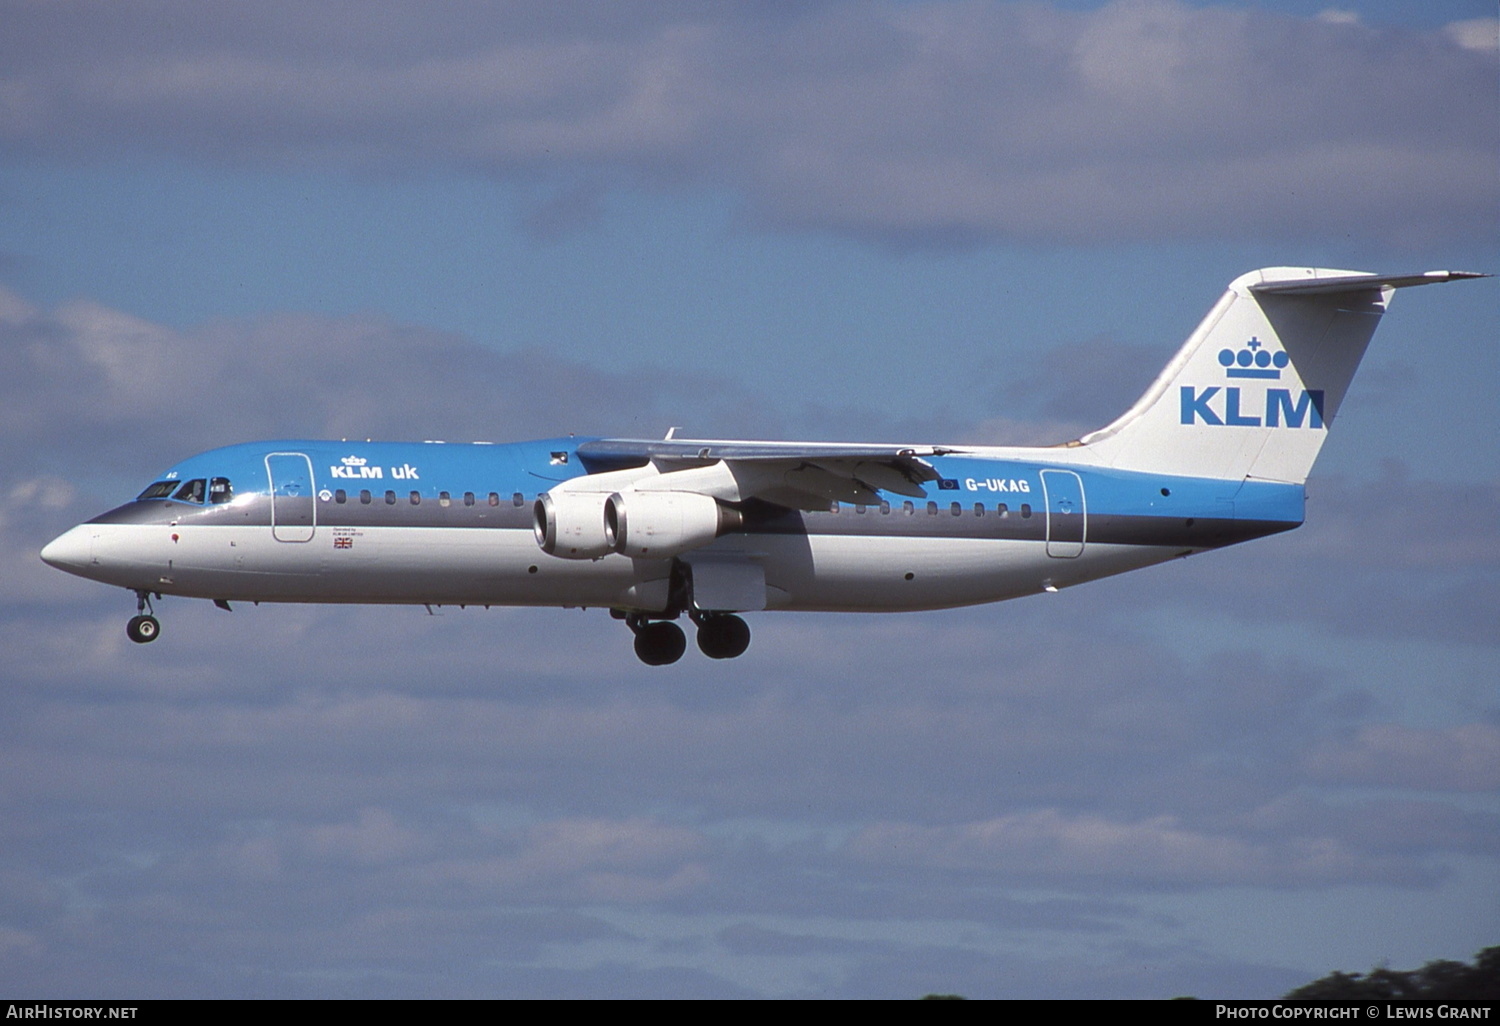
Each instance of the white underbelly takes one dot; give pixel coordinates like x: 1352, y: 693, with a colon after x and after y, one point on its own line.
x: 505, y: 567
x: 842, y: 572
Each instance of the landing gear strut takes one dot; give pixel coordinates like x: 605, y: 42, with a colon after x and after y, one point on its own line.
x: 143, y: 626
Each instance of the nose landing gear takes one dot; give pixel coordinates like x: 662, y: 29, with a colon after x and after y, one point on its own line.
x: 143, y: 626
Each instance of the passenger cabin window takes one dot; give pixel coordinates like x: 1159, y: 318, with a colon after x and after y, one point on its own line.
x: 219, y: 490
x: 957, y: 508
x: 416, y: 498
x: 160, y: 490
x: 979, y: 509
x: 340, y: 496
x: 390, y: 498
x: 932, y: 509
x: 518, y: 500
x: 444, y: 499
x: 908, y: 507
x: 1025, y: 509
x: 191, y: 491
x: 494, y: 498
x: 468, y: 498
x: 364, y: 496
x: 885, y: 507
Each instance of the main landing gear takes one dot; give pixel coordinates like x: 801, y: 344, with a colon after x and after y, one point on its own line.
x: 722, y: 635
x: 661, y: 642
x: 143, y: 626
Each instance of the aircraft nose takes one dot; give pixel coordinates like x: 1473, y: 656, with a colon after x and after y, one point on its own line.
x: 71, y: 550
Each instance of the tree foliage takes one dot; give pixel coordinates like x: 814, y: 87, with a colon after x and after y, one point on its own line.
x: 1440, y: 980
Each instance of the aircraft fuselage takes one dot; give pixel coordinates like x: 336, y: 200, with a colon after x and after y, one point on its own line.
x: 381, y: 522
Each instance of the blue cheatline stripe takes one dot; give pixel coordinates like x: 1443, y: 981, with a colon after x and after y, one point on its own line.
x: 529, y: 468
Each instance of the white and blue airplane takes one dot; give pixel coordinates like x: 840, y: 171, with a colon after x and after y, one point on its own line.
x: 1215, y: 452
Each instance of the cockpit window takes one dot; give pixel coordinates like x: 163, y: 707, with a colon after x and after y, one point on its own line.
x: 191, y: 491
x: 160, y: 490
x: 219, y: 490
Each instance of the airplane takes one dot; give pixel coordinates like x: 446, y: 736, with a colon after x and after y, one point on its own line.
x: 1215, y: 452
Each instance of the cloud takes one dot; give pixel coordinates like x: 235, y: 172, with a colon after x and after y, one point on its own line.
x: 592, y: 860
x: 1370, y: 522
x: 912, y: 123
x: 1379, y: 826
x: 354, y: 800
x: 91, y: 388
x: 1335, y: 16
x: 1083, y: 384
x: 561, y: 860
x: 403, y: 802
x: 1461, y: 758
x: 32, y: 510
x: 1048, y: 844
x: 1475, y: 33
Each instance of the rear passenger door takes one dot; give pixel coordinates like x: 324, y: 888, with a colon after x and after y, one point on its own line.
x: 1067, y: 513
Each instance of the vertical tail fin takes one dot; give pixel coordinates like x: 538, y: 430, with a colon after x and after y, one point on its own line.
x: 1254, y: 389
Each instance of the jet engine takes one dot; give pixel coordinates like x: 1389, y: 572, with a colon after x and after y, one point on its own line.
x: 657, y: 525
x: 571, y: 524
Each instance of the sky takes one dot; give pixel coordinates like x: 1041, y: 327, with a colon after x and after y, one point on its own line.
x: 933, y: 222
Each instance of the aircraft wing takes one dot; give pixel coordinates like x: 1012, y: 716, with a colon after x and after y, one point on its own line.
x: 801, y: 475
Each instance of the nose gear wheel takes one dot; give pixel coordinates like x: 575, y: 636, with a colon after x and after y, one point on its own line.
x: 143, y: 626
x: 141, y: 629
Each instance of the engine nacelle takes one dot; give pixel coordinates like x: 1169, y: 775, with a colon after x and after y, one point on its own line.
x: 657, y: 525
x: 571, y: 524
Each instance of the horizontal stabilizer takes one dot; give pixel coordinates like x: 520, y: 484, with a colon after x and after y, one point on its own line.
x: 1359, y: 282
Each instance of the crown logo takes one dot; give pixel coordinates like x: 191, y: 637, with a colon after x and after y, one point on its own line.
x: 359, y: 461
x: 1253, y: 361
